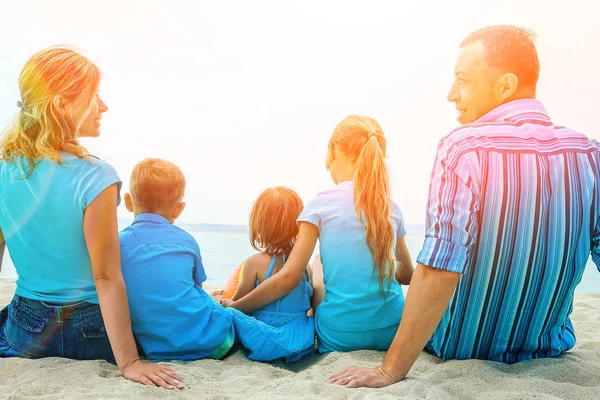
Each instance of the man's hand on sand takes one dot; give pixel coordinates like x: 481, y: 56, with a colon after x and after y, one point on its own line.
x: 354, y: 377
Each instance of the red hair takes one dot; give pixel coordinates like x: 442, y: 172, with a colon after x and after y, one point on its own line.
x: 273, y: 227
x: 361, y: 139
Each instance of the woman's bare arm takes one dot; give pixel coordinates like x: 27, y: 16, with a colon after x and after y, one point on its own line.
x: 2, y: 246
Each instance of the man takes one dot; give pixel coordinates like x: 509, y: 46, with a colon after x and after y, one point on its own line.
x: 511, y: 220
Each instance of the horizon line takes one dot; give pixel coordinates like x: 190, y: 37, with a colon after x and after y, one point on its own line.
x: 412, y: 228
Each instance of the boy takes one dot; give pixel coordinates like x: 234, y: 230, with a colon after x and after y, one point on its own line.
x: 171, y: 315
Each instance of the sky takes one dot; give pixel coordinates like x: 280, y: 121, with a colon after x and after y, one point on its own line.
x: 244, y: 95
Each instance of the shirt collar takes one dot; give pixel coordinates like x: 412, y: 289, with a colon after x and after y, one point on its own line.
x: 149, y: 217
x: 517, y: 110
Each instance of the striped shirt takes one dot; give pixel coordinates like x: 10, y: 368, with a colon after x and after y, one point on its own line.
x: 513, y: 206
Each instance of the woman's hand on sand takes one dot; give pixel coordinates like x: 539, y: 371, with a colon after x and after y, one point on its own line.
x: 354, y: 377
x: 152, y: 375
x: 226, y: 302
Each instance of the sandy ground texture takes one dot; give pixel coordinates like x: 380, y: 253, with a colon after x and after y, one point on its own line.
x: 575, y: 375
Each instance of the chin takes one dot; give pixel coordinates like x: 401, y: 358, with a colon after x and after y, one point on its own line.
x: 91, y: 134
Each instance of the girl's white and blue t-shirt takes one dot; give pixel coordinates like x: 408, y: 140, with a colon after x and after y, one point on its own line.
x: 353, y: 299
x: 41, y: 217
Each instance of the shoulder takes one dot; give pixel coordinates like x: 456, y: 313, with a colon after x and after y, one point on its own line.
x: 257, y: 261
x: 162, y: 234
x: 92, y: 171
x: 463, y: 138
x: 325, y: 197
x: 127, y: 234
x: 93, y: 164
x: 182, y: 237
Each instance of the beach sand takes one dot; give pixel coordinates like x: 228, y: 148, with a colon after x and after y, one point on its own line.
x: 575, y: 375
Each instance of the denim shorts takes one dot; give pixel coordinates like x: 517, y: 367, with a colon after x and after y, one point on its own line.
x: 34, y: 329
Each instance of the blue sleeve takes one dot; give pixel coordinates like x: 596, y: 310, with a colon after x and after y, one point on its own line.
x: 97, y: 176
x: 199, y: 274
x: 596, y: 245
x: 401, y: 227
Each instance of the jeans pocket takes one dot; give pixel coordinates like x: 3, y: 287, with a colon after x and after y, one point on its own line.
x: 24, y: 329
x: 90, y: 341
x: 93, y: 330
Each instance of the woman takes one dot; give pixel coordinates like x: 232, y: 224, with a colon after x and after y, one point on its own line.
x: 58, y: 219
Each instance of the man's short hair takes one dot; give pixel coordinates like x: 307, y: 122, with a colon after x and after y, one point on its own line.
x: 509, y: 48
x: 156, y: 185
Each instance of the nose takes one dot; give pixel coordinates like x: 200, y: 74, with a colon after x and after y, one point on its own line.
x: 102, y: 107
x: 453, y: 94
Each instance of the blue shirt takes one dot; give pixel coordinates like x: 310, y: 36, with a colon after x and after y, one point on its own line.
x: 171, y: 315
x: 353, y: 299
x: 514, y: 206
x: 41, y: 218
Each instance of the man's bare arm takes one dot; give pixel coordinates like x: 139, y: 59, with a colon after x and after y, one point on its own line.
x: 428, y: 295
x: 426, y: 302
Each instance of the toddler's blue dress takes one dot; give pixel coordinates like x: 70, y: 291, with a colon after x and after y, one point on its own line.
x: 280, y: 329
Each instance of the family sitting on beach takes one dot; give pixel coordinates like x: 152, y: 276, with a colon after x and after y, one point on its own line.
x: 512, y: 217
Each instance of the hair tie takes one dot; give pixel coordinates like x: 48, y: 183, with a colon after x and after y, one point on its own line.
x: 371, y: 134
x: 20, y: 104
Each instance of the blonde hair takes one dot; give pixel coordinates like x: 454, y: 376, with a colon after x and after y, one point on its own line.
x: 156, y: 185
x: 273, y: 227
x: 361, y: 139
x: 39, y: 130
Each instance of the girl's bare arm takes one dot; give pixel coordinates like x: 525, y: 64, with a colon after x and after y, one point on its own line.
x: 405, y: 269
x: 248, y: 281
x: 288, y: 278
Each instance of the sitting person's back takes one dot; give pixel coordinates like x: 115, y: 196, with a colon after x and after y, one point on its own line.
x: 282, y: 328
x: 534, y: 190
x: 172, y: 316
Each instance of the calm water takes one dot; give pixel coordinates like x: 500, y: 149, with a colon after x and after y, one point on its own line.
x: 223, y: 248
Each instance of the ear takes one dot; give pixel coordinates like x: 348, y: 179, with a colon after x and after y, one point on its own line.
x: 59, y: 104
x: 128, y: 202
x: 330, y: 156
x: 178, y: 210
x: 507, y: 84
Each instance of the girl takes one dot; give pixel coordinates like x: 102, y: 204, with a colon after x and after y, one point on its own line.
x: 357, y: 301
x: 280, y: 329
x: 58, y: 219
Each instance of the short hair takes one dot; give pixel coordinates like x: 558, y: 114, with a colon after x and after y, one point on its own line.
x: 156, y: 184
x: 273, y: 227
x: 509, y: 48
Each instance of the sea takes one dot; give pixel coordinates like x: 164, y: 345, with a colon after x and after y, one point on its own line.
x: 223, y: 247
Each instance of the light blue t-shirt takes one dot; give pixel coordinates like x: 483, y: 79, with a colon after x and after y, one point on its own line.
x: 41, y: 218
x: 171, y: 315
x: 353, y: 299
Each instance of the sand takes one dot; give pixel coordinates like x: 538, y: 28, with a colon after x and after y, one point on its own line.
x: 575, y: 375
